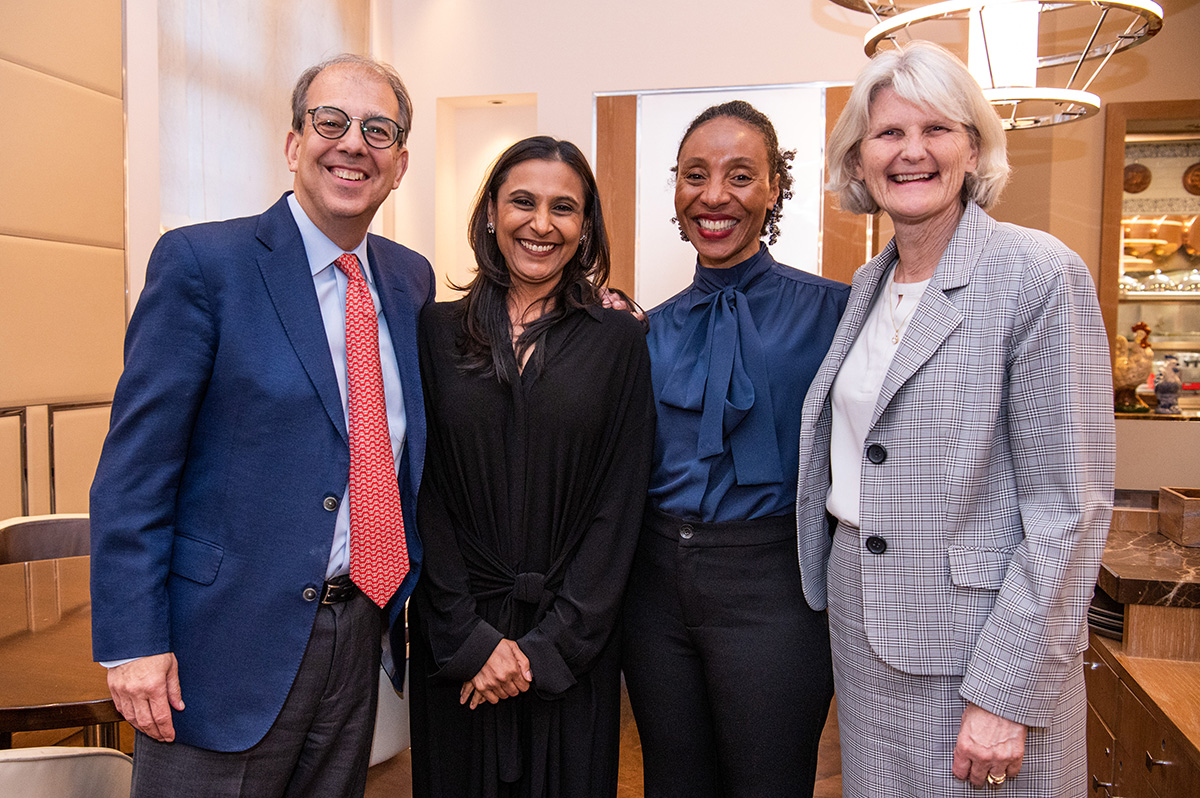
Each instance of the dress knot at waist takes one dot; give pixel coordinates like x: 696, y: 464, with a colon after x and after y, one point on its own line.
x: 529, y: 587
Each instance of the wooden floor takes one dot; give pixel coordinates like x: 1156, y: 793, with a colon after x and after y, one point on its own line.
x: 393, y: 779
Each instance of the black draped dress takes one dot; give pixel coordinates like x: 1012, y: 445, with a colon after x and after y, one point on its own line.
x: 529, y: 514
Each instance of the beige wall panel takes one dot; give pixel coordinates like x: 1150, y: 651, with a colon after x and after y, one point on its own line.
x: 64, y: 189
x: 1156, y: 453
x: 62, y: 321
x: 77, y: 40
x: 78, y: 437
x: 10, y: 466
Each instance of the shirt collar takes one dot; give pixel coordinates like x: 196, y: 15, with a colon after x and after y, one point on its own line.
x: 320, y: 250
x: 738, y: 276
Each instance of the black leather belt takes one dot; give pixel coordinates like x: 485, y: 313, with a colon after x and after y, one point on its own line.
x: 337, y: 590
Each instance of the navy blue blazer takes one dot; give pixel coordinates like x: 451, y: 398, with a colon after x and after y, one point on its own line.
x: 209, y: 508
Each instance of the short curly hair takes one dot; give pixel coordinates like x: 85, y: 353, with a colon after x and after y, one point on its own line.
x: 928, y: 75
x: 779, y: 162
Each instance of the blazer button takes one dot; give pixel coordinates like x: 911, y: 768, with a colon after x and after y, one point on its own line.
x: 330, y: 503
x: 686, y: 531
x: 876, y: 453
x: 876, y: 544
x: 309, y: 594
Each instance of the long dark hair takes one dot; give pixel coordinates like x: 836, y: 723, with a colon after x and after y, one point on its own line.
x: 486, y: 328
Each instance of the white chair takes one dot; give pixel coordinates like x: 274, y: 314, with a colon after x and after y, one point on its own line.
x: 63, y: 772
x: 391, y: 722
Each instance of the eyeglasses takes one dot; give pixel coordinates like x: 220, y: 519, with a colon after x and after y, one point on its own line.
x: 332, y: 123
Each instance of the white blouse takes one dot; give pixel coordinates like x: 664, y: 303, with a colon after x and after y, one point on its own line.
x: 856, y: 389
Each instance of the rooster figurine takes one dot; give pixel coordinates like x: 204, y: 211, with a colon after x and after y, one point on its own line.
x: 1132, y: 364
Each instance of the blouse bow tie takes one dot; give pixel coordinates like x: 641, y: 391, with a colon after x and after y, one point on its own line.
x: 726, y: 379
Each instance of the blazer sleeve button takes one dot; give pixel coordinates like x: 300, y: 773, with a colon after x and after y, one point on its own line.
x: 876, y: 453
x: 309, y: 594
x: 330, y: 503
x: 876, y: 544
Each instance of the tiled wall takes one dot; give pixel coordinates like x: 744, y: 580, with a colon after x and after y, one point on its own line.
x: 62, y: 240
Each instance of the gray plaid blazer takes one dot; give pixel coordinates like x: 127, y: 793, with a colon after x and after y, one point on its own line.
x: 996, y: 492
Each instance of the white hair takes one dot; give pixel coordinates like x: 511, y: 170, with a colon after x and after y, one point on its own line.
x: 928, y: 75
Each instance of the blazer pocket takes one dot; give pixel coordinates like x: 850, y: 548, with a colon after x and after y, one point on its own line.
x: 978, y: 568
x: 196, y: 560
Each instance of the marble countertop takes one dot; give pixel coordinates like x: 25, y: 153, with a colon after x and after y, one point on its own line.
x: 1146, y: 568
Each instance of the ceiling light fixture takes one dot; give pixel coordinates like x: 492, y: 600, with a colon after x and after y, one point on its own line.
x: 1008, y: 45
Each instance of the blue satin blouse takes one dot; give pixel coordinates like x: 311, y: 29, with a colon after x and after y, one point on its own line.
x: 732, y: 357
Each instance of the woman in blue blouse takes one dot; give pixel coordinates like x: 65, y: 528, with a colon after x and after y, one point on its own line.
x: 727, y: 667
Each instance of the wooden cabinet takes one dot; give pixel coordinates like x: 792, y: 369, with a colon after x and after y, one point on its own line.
x: 1100, y: 754
x: 1166, y: 765
x: 1135, y: 748
x: 1130, y: 780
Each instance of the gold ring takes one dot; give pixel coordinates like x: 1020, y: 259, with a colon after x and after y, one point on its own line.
x: 996, y: 781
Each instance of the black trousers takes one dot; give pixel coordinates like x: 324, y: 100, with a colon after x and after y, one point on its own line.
x: 319, y: 746
x: 728, y: 668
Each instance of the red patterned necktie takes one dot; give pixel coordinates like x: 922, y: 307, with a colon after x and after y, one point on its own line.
x: 378, y: 553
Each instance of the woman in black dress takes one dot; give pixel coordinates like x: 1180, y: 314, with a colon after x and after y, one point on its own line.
x: 540, y: 423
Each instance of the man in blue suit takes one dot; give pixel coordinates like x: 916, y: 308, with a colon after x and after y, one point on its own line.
x: 222, y: 517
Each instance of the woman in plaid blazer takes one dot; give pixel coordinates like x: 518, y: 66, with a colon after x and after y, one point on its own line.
x: 959, y: 439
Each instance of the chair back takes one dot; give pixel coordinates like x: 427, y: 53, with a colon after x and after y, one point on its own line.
x: 63, y: 772
x: 44, y: 537
x: 391, y: 721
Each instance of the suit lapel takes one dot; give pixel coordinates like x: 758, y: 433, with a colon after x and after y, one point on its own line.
x: 866, y: 281
x: 818, y: 408
x: 936, y: 317
x: 396, y: 309
x: 290, y: 285
x: 400, y: 311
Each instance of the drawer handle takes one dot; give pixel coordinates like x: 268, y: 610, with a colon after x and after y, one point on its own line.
x: 1097, y: 784
x: 1151, y: 761
x: 1093, y: 665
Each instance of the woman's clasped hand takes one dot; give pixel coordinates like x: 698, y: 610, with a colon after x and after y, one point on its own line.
x: 504, y: 675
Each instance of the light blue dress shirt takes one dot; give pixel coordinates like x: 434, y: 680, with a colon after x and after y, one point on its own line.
x: 330, y: 283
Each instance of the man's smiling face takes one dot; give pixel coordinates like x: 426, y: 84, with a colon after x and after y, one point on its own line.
x: 340, y: 183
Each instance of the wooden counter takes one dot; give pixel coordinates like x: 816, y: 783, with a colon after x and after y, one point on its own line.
x: 1143, y: 724
x: 1142, y: 567
x: 1143, y: 732
x: 1158, y: 582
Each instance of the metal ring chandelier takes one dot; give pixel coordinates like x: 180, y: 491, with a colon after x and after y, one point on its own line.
x: 1005, y: 51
